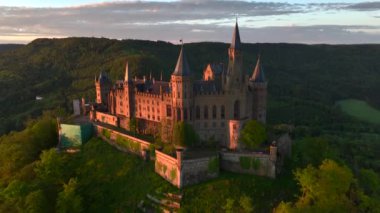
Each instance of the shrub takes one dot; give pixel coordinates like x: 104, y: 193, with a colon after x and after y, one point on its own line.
x: 152, y: 150
x: 213, y: 165
x: 255, y: 163
x: 245, y: 162
x: 106, y: 133
x: 173, y: 174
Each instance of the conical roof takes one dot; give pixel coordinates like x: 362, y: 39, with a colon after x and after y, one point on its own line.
x: 235, y: 43
x: 258, y: 73
x: 182, y: 67
x: 127, y: 77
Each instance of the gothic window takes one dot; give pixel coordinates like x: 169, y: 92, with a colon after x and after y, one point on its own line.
x: 205, y: 112
x: 178, y: 95
x: 168, y: 111
x: 214, y: 112
x: 237, y: 110
x: 222, y: 112
x: 197, y: 112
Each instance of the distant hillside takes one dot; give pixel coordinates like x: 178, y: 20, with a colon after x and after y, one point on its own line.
x: 305, y: 81
x: 6, y: 47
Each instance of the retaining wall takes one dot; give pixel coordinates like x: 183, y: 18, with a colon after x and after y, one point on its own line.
x: 199, y: 169
x: 250, y: 163
x: 126, y: 143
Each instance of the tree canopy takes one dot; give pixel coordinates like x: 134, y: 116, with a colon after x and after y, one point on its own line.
x: 253, y: 134
x: 184, y: 135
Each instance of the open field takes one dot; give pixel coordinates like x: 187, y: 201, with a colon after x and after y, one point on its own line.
x: 360, y: 110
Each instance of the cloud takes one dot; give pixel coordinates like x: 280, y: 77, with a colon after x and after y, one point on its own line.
x: 365, y: 6
x: 192, y: 20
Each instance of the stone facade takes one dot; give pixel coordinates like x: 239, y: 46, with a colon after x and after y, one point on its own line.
x: 217, y: 106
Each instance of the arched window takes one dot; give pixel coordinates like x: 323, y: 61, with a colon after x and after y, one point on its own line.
x: 214, y: 112
x: 205, y: 112
x: 222, y: 112
x: 237, y: 110
x: 197, y: 112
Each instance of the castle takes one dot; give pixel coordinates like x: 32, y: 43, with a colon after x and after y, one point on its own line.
x: 216, y: 106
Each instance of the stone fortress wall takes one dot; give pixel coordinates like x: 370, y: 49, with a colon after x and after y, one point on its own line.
x: 187, y: 168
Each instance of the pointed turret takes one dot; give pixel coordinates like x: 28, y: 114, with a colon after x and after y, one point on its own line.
x: 258, y: 73
x: 235, y: 43
x: 182, y: 67
x: 127, y: 77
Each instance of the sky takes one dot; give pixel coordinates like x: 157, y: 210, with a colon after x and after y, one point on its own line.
x: 294, y: 21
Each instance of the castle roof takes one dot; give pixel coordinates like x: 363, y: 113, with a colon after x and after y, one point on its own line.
x: 182, y: 68
x: 258, y: 73
x: 217, y: 68
x: 235, y: 43
x: 152, y: 87
x: 207, y: 86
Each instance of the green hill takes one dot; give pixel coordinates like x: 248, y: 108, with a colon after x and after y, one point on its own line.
x: 304, y: 80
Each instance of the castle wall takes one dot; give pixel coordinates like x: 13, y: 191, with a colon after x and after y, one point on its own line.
x: 125, y: 143
x: 167, y: 167
x: 250, y: 163
x: 106, y: 118
x: 199, y: 169
x: 183, y: 172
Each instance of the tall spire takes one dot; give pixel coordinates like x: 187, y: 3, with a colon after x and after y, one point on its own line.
x: 127, y: 77
x: 235, y: 43
x: 258, y: 73
x: 182, y: 67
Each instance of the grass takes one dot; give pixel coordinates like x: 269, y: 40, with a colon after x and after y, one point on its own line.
x: 360, y: 110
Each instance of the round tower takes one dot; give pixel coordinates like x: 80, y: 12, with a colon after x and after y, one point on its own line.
x: 103, y: 87
x: 182, y: 89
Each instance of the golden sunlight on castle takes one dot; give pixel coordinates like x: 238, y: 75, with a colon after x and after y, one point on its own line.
x: 216, y: 106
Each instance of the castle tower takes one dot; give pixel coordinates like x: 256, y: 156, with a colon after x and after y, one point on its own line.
x: 259, y: 85
x: 182, y: 89
x: 128, y: 94
x: 235, y: 74
x: 103, y: 86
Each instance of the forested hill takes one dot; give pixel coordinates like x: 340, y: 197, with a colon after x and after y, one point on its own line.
x: 8, y: 47
x: 304, y: 80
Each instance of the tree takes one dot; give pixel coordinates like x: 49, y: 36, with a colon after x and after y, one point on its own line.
x: 133, y: 125
x: 312, y: 150
x: 246, y: 203
x: 184, y: 135
x: 36, y: 202
x: 51, y: 166
x: 253, y: 134
x: 69, y: 201
x: 324, y: 189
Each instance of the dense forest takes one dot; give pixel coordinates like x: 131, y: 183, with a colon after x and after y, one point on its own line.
x: 335, y: 164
